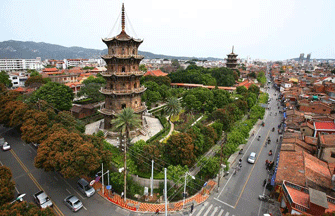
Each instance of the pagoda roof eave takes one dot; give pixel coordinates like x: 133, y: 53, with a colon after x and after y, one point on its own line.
x: 106, y: 40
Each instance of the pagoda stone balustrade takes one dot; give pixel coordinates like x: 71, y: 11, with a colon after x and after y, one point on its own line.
x: 123, y: 91
x: 128, y: 73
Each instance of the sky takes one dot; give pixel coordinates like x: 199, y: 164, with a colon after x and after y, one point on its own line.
x: 259, y: 29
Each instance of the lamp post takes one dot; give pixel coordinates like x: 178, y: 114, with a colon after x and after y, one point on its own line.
x: 184, y: 195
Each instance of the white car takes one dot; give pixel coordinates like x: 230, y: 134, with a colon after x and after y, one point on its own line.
x: 6, y: 147
x: 252, y: 157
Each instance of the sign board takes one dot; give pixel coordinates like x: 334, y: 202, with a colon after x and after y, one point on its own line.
x: 205, y: 184
x: 92, y: 182
x: 109, y: 187
x: 146, y: 191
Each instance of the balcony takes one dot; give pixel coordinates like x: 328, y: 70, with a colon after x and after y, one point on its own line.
x: 108, y: 56
x: 122, y: 92
x: 122, y: 74
x: 105, y: 111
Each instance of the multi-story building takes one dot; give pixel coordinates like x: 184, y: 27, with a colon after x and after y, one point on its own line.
x: 20, y: 64
x: 18, y: 78
x: 123, y: 88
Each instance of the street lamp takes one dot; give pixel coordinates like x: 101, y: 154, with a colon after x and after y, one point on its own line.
x: 184, y: 195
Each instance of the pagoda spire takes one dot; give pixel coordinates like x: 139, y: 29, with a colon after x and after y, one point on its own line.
x: 232, y: 49
x: 123, y: 22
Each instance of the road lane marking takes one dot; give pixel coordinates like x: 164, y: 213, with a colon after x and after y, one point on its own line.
x: 1, y: 163
x: 201, y: 210
x: 221, y: 212
x: 68, y: 191
x: 56, y: 178
x: 84, y: 207
x: 74, y: 189
x: 209, y: 208
x: 17, y: 190
x: 215, y: 210
x: 224, y: 203
x: 251, y: 171
x: 227, y: 214
x: 55, y: 207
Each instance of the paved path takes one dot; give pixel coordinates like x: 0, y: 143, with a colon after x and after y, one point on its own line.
x: 170, y: 132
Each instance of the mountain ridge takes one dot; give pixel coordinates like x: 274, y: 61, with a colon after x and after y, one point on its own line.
x: 30, y: 50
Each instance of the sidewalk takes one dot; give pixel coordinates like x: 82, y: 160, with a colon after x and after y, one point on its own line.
x: 142, y: 207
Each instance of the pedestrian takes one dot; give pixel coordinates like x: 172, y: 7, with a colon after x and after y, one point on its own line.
x: 113, y: 191
x: 157, y: 211
x: 122, y: 195
x: 264, y: 182
x: 192, y: 207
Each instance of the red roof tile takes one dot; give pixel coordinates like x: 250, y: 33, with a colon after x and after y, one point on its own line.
x: 324, y: 126
x: 50, y: 70
x: 155, y: 73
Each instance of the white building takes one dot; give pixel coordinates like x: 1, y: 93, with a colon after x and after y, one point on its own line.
x: 20, y: 64
x: 18, y: 78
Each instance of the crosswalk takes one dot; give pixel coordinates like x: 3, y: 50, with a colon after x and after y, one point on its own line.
x: 208, y: 209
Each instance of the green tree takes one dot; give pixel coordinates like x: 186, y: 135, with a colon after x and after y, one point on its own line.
x: 92, y: 90
x: 33, y: 72
x: 142, y: 68
x: 241, y: 89
x: 210, y: 167
x: 252, y: 74
x: 254, y: 89
x: 4, y: 79
x: 172, y: 107
x: 92, y: 79
x: 58, y: 95
x: 35, y: 81
x: 176, y: 173
x: 333, y: 71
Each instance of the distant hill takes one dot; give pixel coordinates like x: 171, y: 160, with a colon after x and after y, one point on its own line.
x: 30, y: 50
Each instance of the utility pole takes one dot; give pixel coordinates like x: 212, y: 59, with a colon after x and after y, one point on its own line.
x: 221, y: 160
x: 125, y: 168
x: 165, y: 192
x: 152, y: 177
x: 102, y: 180
x: 184, y: 194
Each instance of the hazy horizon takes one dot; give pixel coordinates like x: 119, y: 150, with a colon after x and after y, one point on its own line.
x: 260, y: 29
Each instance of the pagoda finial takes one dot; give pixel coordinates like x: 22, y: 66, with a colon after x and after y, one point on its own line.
x: 232, y: 49
x: 123, y: 22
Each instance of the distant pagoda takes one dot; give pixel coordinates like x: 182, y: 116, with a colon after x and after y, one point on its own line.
x: 232, y: 60
x: 123, y: 76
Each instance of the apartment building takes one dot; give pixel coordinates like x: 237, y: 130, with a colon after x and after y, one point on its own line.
x: 20, y: 64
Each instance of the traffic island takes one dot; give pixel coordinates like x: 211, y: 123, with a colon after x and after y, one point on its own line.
x: 143, y: 207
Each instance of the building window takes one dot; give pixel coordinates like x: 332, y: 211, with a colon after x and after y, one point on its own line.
x: 123, y: 106
x: 135, y: 85
x: 112, y: 86
x: 136, y: 103
x: 133, y: 51
x: 123, y: 69
x: 324, y: 110
x: 122, y: 51
x: 303, y: 129
x: 113, y: 51
x: 332, y: 155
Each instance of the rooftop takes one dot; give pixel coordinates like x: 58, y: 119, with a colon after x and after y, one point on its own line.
x: 324, y: 125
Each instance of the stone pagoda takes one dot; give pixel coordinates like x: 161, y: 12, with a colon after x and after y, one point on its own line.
x: 232, y: 60
x: 123, y: 76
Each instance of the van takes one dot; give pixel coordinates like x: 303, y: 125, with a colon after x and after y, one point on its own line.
x: 85, y: 187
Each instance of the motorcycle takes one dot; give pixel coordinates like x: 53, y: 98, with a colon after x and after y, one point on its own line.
x: 265, y: 198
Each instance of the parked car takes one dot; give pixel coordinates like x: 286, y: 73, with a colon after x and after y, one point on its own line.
x: 85, y: 187
x: 73, y: 203
x: 5, y: 146
x: 252, y: 157
x: 42, y: 200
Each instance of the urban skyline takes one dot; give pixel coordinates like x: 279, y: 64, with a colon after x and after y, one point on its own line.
x: 259, y: 29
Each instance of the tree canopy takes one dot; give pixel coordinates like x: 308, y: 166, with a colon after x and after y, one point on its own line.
x: 4, y: 79
x: 58, y: 95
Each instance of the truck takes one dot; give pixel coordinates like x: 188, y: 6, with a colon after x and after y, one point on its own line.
x: 42, y: 199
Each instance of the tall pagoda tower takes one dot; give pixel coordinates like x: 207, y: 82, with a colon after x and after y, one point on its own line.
x: 232, y: 60
x: 123, y: 76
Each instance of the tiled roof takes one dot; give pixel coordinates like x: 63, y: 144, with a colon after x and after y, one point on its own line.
x: 327, y: 140
x: 298, y: 196
x: 324, y: 126
x: 155, y: 73
x: 50, y: 70
x: 311, y: 140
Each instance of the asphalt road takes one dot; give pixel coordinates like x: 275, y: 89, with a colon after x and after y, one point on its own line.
x: 30, y: 180
x: 238, y: 194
